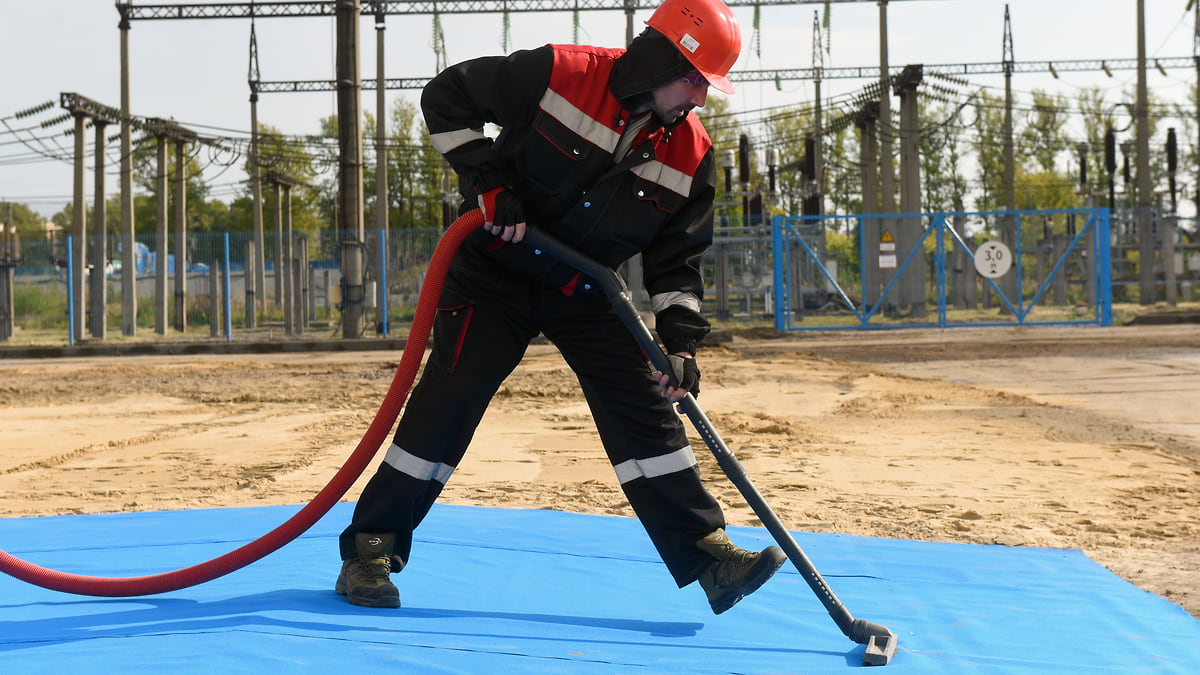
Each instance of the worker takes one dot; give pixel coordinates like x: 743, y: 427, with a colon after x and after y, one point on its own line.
x: 600, y: 148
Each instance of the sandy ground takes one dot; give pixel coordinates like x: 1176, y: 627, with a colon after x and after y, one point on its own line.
x: 1072, y: 437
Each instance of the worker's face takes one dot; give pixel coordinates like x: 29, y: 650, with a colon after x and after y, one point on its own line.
x: 674, y: 99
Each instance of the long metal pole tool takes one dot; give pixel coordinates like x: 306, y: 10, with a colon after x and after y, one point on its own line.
x: 880, y: 642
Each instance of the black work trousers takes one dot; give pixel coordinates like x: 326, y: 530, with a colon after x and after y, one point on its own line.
x: 486, y: 317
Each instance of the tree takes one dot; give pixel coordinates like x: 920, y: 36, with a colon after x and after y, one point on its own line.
x: 312, y: 203
x: 1096, y: 120
x: 28, y: 221
x: 1042, y: 190
x: 944, y: 186
x: 414, y: 171
x: 987, y: 142
x: 1044, y: 137
x: 1098, y: 117
x: 843, y: 171
x: 724, y: 131
x: 787, y: 131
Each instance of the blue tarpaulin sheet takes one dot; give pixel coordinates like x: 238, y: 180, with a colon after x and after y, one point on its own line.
x: 505, y: 590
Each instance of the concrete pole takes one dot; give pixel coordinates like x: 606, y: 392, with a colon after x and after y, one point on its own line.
x: 350, y: 175
x: 99, y: 249
x: 963, y: 281
x: 289, y: 263
x: 181, y: 256
x: 1169, y: 225
x: 306, y: 270
x: 866, y: 122
x: 870, y: 167
x: 912, y: 285
x: 1009, y: 161
x: 214, y: 301
x: 887, y: 175
x: 818, y: 135
x: 129, y: 250
x: 381, y: 170
x: 259, y: 282
x: 1008, y: 224
x: 79, y: 230
x: 251, y: 273
x: 10, y: 254
x: 300, y: 314
x: 1196, y: 58
x: 160, y: 240
x: 887, y: 180
x: 278, y: 246
x: 1145, y: 191
x: 1010, y: 203
x: 1089, y: 248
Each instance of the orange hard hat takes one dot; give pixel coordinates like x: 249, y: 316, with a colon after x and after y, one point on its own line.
x: 707, y: 34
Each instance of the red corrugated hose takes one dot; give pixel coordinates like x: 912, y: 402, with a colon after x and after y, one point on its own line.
x: 277, y: 538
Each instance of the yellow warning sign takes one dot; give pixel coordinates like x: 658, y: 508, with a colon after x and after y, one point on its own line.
x: 887, y: 251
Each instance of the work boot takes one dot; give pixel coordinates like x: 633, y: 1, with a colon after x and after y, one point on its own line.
x: 365, y: 580
x: 735, y: 572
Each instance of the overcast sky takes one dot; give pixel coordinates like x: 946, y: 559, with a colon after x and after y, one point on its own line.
x: 195, y: 71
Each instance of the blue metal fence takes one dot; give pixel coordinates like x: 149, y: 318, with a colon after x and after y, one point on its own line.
x: 804, y: 272
x: 921, y: 270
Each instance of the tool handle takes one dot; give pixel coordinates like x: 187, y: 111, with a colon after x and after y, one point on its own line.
x: 618, y: 294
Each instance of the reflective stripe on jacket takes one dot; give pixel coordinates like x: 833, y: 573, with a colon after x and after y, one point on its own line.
x: 559, y: 125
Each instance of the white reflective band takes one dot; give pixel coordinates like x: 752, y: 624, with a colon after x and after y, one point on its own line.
x: 405, y: 462
x: 673, y: 179
x: 449, y: 140
x: 600, y: 135
x: 653, y: 467
x: 661, y: 301
x: 579, y: 122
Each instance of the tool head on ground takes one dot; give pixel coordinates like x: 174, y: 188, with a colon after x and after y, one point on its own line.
x: 706, y: 32
x: 880, y: 641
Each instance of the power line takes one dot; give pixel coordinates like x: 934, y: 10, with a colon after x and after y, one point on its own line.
x: 325, y: 8
x: 789, y: 74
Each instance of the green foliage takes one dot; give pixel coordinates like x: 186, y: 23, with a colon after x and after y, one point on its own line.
x: 986, y: 138
x: 786, y: 132
x: 1041, y: 190
x: 843, y: 247
x: 311, y: 203
x: 1043, y: 137
x: 723, y: 129
x: 1099, y: 115
x: 28, y: 222
x: 944, y: 187
x: 417, y: 179
x: 843, y: 173
x: 36, y: 306
x: 956, y: 141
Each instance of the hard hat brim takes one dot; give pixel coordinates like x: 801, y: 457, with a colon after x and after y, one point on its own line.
x: 718, y: 82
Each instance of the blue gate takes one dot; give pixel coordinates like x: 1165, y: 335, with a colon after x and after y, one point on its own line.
x: 986, y: 268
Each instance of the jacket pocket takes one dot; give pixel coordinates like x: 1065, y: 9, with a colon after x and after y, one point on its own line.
x: 551, y: 155
x: 664, y: 199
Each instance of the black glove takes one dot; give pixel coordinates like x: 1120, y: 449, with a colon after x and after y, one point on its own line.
x: 686, y: 373
x: 501, y: 209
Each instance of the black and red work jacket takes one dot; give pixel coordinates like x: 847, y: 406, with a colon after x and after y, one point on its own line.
x: 559, y: 125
